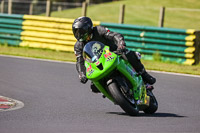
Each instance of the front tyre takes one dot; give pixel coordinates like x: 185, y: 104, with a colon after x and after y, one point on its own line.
x: 120, y: 99
x: 153, y: 106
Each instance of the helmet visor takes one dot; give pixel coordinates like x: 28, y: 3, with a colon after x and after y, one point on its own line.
x: 80, y: 34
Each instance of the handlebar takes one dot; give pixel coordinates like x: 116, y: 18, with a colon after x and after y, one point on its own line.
x: 120, y: 51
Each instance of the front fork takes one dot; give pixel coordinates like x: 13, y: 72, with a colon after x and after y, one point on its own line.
x: 103, y: 90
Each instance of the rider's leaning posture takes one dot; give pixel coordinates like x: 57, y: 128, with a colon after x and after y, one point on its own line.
x: 84, y: 32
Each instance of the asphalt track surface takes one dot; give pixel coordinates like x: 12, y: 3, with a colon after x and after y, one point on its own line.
x: 56, y: 102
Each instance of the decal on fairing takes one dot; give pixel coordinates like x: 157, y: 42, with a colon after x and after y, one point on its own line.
x: 90, y: 70
x: 97, y: 63
x: 110, y: 58
x: 108, y: 55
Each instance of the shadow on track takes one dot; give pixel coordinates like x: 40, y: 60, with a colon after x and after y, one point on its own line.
x: 149, y: 115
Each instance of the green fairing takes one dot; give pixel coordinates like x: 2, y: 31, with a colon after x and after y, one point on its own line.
x: 112, y: 62
x: 136, y: 81
x: 94, y: 74
x: 107, y: 65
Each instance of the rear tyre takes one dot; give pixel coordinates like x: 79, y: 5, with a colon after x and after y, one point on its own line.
x: 153, y: 106
x: 120, y: 99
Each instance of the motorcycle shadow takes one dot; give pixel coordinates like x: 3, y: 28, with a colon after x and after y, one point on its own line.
x: 159, y: 114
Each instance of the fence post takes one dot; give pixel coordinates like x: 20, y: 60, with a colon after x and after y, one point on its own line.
x: 59, y: 8
x: 88, y: 1
x: 84, y: 8
x: 121, y: 14
x: 48, y: 8
x: 9, y: 6
x: 161, y: 17
x: 2, y: 6
x: 31, y: 9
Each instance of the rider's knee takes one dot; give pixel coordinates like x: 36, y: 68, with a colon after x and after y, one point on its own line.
x: 133, y: 55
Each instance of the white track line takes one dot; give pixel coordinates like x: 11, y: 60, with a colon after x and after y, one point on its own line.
x: 178, y: 74
x: 46, y: 60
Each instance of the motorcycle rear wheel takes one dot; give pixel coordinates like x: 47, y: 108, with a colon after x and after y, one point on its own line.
x: 119, y: 98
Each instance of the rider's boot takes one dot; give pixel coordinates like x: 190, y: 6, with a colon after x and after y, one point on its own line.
x: 147, y: 77
x: 134, y: 60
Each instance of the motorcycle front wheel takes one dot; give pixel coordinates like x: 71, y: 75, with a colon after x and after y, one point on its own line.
x: 153, y: 106
x: 119, y: 98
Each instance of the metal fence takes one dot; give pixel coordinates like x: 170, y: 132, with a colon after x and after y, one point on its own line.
x: 166, y: 16
x: 33, y: 7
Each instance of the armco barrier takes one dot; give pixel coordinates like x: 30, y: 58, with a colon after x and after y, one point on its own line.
x: 10, y: 29
x: 37, y: 32
x: 176, y: 45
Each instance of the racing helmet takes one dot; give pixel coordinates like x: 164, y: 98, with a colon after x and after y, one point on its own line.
x: 82, y: 28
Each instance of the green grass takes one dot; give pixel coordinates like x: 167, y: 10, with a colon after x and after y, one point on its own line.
x: 64, y: 56
x: 142, y: 12
x: 37, y: 53
x: 172, y: 67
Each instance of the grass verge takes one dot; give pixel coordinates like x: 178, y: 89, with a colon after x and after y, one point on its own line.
x: 37, y: 53
x: 69, y: 56
x: 142, y: 12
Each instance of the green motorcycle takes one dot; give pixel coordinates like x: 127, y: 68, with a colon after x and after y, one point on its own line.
x: 117, y: 80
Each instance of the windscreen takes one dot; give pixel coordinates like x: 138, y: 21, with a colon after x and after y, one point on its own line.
x: 92, y: 51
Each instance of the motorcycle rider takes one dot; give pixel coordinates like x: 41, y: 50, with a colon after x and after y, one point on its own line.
x: 84, y: 32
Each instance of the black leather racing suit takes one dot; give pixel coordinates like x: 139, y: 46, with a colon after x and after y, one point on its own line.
x: 107, y: 37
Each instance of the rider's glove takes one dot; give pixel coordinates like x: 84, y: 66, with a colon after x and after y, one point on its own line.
x: 121, y: 45
x: 83, y: 78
